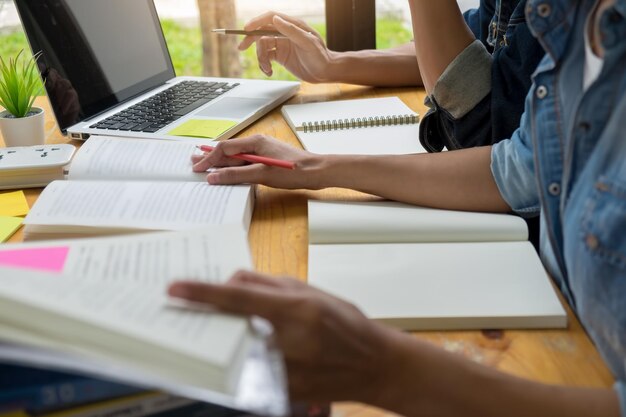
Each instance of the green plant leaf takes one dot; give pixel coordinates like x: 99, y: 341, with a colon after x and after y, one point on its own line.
x: 19, y: 83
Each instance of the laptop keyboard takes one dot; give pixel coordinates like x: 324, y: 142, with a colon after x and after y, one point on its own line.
x: 158, y: 111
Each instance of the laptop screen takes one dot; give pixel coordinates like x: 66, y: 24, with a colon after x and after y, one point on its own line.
x: 94, y: 53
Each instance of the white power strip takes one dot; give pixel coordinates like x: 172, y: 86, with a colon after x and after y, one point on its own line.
x: 33, y: 166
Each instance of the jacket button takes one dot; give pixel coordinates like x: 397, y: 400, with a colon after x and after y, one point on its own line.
x: 544, y: 10
x: 541, y: 92
x: 585, y: 127
x: 592, y: 242
x: 602, y: 187
x: 554, y: 189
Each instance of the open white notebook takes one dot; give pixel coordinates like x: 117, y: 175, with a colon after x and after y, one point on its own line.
x: 373, y: 126
x: 425, y: 269
x: 118, y: 185
x: 100, y: 305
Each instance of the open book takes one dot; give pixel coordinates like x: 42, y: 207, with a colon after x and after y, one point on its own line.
x: 373, y: 126
x: 127, y: 185
x: 100, y: 306
x: 427, y: 269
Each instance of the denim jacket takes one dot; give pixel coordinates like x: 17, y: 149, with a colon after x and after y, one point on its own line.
x: 485, y: 107
x: 568, y: 161
x: 480, y: 97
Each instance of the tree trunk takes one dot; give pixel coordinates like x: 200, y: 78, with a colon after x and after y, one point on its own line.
x: 220, y: 54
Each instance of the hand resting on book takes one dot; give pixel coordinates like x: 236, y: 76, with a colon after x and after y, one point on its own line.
x: 329, y: 346
x: 460, y: 180
x: 233, y: 170
x: 333, y: 353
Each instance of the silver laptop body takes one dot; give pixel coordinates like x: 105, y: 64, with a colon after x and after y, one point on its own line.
x: 102, y: 61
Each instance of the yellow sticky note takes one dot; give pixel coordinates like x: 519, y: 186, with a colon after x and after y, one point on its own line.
x: 203, y: 128
x: 8, y: 226
x: 13, y: 204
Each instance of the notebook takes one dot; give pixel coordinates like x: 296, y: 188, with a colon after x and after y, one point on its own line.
x: 100, y: 306
x: 373, y: 126
x: 426, y: 269
x: 118, y: 185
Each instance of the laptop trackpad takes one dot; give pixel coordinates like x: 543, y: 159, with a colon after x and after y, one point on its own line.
x: 233, y: 108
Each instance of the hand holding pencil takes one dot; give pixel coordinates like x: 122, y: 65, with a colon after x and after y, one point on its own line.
x: 273, y: 163
x: 290, y: 42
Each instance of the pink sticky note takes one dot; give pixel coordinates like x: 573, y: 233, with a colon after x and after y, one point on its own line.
x: 43, y: 259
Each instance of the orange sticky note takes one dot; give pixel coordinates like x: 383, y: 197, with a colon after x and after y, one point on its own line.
x: 13, y: 204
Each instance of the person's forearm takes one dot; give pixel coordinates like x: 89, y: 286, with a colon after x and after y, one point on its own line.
x: 441, y: 34
x: 396, y: 67
x: 459, y: 180
x: 418, y: 379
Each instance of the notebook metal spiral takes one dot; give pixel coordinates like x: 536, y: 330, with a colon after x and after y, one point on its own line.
x: 357, y: 123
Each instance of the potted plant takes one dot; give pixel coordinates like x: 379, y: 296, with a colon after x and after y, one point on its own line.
x: 21, y: 123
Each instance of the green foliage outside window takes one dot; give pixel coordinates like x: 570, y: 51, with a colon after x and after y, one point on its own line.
x: 185, y: 45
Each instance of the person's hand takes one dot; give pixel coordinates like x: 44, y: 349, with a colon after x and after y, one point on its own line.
x: 332, y: 351
x: 236, y: 171
x: 303, y: 51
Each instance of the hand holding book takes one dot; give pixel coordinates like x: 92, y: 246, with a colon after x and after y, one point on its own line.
x: 322, y: 338
x: 102, y: 309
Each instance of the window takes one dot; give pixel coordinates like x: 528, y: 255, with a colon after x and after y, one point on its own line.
x: 369, y: 24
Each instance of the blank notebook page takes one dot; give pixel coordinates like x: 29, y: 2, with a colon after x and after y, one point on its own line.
x: 400, y: 139
x: 423, y: 286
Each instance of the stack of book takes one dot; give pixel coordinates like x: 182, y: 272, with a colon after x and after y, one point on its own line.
x: 32, y: 391
x: 29, y: 392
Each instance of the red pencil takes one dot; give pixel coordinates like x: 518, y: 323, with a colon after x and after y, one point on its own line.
x: 256, y: 158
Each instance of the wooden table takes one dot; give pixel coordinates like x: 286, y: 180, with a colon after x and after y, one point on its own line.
x: 279, y: 242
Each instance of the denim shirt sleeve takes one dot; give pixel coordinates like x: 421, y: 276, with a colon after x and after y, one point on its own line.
x: 513, y: 169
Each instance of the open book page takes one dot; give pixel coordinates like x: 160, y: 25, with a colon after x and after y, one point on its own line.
x: 441, y: 286
x: 128, y: 323
x: 390, y: 140
x: 390, y: 222
x: 107, y: 158
x: 68, y: 205
x: 210, y: 254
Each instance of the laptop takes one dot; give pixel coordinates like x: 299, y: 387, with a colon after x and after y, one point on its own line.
x: 107, y: 71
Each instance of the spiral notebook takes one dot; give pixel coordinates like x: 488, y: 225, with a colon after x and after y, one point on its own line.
x: 373, y: 126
